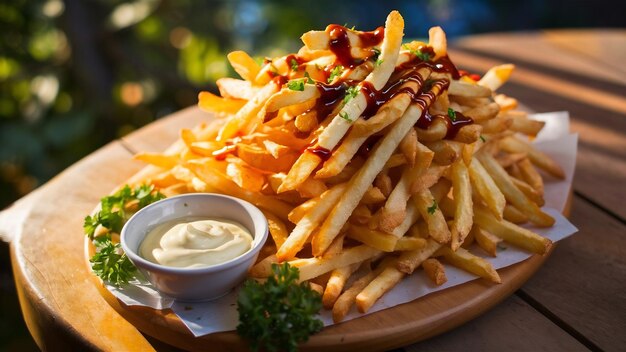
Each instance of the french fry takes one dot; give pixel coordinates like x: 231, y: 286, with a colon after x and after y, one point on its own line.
x: 533, y: 195
x: 346, y: 300
x: 431, y: 213
x: 486, y: 188
x: 244, y: 65
x: 512, y: 193
x: 541, y: 160
x: 376, y: 239
x: 316, y: 266
x: 384, y: 282
x: 309, y: 222
x: 409, y: 243
x: 496, y: 76
x: 512, y: 233
x: 218, y: 105
x: 530, y: 175
x: 486, y: 240
x: 512, y: 214
x: 410, y: 260
x: 236, y: 89
x: 462, y: 191
x: 335, y: 284
x: 435, y: 271
x: 463, y: 259
x: 159, y: 160
x: 277, y: 228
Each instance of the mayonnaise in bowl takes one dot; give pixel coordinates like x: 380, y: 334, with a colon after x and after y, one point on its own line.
x: 193, y: 242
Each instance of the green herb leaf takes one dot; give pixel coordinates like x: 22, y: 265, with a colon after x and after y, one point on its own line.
x: 294, y: 64
x: 280, y: 313
x: 431, y: 209
x: 309, y: 80
x: 482, y: 138
x: 379, y: 62
x: 296, y: 84
x: 344, y: 115
x: 424, y: 56
x: 113, y: 212
x: 335, y: 72
x: 110, y: 263
x: 452, y: 114
x: 351, y: 92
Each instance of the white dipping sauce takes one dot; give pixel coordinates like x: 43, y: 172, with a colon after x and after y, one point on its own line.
x: 195, y: 242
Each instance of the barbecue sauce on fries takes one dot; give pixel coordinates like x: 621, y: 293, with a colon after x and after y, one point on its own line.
x: 381, y: 179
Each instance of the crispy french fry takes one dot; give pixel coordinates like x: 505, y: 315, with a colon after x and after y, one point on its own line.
x: 376, y: 239
x: 486, y: 188
x: 278, y: 229
x: 512, y: 233
x: 512, y: 193
x: 463, y: 259
x: 346, y: 300
x: 462, y: 191
x: 432, y: 215
x: 435, y: 271
x: 384, y: 282
x: 410, y: 260
x: 316, y: 266
x: 335, y: 284
x: 244, y: 65
x: 236, y: 89
x: 530, y: 175
x: 512, y: 214
x: 486, y: 240
x: 541, y: 160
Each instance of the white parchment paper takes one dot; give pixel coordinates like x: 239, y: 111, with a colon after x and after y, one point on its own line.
x: 221, y: 315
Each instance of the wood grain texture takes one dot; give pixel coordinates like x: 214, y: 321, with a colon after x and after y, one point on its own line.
x: 61, y: 306
x: 583, y: 283
x: 511, y: 326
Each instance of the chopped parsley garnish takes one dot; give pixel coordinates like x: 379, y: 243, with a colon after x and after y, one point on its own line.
x: 344, y: 115
x: 452, y: 114
x: 309, y: 80
x: 335, y: 72
x: 379, y: 62
x: 113, y: 212
x: 294, y: 64
x: 110, y: 262
x: 431, y: 209
x: 421, y: 55
x: 296, y: 84
x: 280, y: 313
x: 351, y: 92
x: 482, y: 138
x: 502, y: 247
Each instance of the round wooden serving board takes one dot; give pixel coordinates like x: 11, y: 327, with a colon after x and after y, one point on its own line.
x: 64, y: 309
x: 394, y: 327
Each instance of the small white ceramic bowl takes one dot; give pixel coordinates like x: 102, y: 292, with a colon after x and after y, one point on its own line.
x: 195, y: 284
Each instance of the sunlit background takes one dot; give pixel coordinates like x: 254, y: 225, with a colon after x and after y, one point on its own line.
x: 76, y: 74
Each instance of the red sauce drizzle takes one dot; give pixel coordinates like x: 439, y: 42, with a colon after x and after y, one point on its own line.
x: 377, y: 98
x: 473, y: 76
x: 293, y: 57
x: 330, y: 96
x: 453, y: 126
x: 340, y: 43
x: 320, y: 152
x: 278, y: 79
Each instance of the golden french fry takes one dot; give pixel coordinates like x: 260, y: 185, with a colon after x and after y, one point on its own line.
x: 530, y: 175
x: 157, y: 159
x: 309, y: 222
x: 218, y: 105
x: 462, y: 191
x: 410, y: 260
x: 245, y: 178
x: 373, y: 195
x: 263, y: 268
x: 486, y: 188
x: 435, y: 271
x: 361, y: 215
x: 244, y: 65
x: 335, y: 284
x: 316, y: 266
x: 236, y: 89
x: 262, y: 159
x: 496, y: 76
x: 481, y: 113
x: 525, y: 125
x: 408, y: 146
x: 541, y: 160
x: 512, y: 233
x: 311, y: 188
x: 486, y: 240
x: 463, y: 259
x: 383, y: 183
x: 346, y: 300
x: 529, y: 191
x: 384, y: 282
x: 468, y: 90
x: 278, y: 229
x: 506, y: 160
x: 512, y: 214
x: 409, y: 243
x: 446, y: 152
x: 432, y: 215
x: 376, y: 239
x: 512, y: 193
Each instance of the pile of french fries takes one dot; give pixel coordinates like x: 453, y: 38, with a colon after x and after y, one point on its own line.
x: 366, y: 201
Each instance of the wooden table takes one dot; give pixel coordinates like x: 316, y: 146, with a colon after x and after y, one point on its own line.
x: 577, y: 300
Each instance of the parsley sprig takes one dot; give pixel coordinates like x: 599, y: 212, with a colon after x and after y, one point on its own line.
x: 110, y: 262
x: 432, y: 208
x: 424, y: 56
x: 114, y: 209
x: 452, y: 114
x: 280, y: 313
